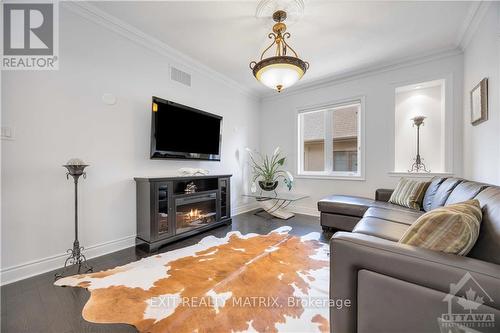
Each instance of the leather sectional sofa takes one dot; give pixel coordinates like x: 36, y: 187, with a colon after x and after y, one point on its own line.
x: 394, y: 287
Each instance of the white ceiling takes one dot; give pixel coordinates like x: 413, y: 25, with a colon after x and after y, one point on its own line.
x: 334, y: 37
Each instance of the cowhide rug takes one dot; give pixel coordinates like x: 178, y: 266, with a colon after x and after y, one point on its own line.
x: 239, y: 283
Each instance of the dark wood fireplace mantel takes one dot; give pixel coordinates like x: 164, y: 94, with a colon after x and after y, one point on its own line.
x: 168, y: 211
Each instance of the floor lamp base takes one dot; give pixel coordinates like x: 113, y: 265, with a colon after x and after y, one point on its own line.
x: 75, y: 259
x: 418, y: 165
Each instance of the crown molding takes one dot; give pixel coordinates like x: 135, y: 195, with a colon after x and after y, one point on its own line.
x: 474, y: 6
x: 477, y: 11
x: 88, y: 11
x: 364, y: 72
x: 112, y: 23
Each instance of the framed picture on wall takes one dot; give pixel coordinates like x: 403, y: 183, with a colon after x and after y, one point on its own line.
x: 479, y: 102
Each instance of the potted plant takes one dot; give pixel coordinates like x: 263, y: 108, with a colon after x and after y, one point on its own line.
x: 268, y: 170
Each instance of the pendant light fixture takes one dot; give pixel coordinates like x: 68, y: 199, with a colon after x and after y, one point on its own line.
x: 284, y: 68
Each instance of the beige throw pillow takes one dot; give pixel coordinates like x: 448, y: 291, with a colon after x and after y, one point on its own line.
x: 409, y: 193
x: 451, y: 229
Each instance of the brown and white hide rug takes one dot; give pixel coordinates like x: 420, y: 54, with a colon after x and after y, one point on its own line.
x: 239, y: 283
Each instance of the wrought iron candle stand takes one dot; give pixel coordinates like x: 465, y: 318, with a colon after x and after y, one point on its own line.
x: 418, y: 165
x: 76, y: 258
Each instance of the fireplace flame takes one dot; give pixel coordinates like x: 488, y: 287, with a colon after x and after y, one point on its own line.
x: 194, y: 213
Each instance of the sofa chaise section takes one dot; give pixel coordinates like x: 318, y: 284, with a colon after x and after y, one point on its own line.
x: 340, y: 212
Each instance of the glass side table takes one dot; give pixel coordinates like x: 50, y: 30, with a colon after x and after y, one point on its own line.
x: 275, y: 203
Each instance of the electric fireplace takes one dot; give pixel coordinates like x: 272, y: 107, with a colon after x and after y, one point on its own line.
x: 195, y: 212
x: 172, y: 208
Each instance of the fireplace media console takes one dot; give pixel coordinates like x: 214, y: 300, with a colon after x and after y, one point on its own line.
x: 172, y: 208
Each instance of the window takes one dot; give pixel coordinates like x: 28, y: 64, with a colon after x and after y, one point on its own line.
x: 329, y: 141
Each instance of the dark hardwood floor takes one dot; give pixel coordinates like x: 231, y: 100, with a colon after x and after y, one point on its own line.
x: 35, y: 305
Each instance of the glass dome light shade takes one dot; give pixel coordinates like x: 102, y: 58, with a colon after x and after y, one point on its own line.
x: 279, y: 72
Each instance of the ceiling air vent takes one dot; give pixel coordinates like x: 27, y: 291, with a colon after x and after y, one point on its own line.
x: 180, y: 76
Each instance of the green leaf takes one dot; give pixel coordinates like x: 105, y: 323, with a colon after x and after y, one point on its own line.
x: 281, y: 161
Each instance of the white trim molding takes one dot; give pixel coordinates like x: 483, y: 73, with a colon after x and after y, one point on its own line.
x: 476, y: 14
x: 420, y: 174
x: 244, y: 208
x: 329, y: 106
x: 375, y: 69
x: 304, y: 210
x: 86, y: 10
x: 43, y: 265
x: 47, y: 264
x: 90, y: 12
x: 333, y: 177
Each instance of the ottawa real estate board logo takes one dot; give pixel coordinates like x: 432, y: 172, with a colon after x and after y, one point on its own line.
x: 469, y: 308
x: 30, y: 36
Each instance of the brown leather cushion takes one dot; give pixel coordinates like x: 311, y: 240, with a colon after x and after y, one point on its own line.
x: 431, y: 192
x: 344, y: 205
x: 487, y: 247
x: 464, y: 191
x: 443, y: 192
x: 373, y: 226
x: 398, y: 216
x: 340, y: 222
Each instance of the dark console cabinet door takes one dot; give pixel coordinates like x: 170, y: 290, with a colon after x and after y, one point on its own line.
x: 225, y: 198
x: 163, y: 210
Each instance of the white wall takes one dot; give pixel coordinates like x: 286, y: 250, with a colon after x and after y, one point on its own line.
x: 419, y: 102
x: 58, y: 115
x: 278, y: 123
x: 482, y: 59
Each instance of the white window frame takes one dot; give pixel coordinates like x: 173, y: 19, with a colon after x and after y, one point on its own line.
x: 328, y: 173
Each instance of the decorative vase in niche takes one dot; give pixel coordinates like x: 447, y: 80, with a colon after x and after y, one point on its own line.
x: 268, y: 186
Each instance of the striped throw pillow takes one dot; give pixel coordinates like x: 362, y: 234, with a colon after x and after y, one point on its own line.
x: 451, y: 229
x: 409, y: 193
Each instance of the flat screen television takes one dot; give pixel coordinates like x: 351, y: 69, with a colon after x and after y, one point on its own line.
x: 182, y: 132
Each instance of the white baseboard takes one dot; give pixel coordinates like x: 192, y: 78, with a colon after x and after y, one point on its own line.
x: 43, y: 265
x: 305, y: 210
x: 244, y: 208
x: 47, y: 264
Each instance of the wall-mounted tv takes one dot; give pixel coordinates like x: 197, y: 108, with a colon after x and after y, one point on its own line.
x: 182, y: 132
